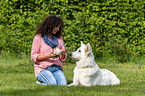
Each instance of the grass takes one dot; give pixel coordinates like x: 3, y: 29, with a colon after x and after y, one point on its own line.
x: 17, y: 79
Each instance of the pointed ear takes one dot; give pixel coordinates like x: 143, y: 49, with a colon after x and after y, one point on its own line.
x: 88, y: 49
x: 81, y: 43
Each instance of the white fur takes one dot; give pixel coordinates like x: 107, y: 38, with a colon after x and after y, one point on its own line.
x: 87, y: 72
x: 57, y: 51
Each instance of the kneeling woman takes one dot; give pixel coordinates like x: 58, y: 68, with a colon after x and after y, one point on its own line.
x: 48, y: 66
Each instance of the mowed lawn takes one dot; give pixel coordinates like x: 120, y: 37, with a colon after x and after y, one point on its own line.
x: 17, y: 79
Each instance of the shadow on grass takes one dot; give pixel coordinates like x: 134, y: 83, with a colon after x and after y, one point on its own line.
x: 58, y: 90
x: 69, y: 81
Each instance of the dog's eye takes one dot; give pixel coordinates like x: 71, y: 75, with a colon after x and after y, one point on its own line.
x: 79, y: 51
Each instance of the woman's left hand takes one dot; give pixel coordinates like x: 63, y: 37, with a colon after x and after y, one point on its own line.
x: 63, y: 50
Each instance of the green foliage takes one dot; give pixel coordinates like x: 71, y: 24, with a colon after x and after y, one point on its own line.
x: 114, y: 27
x: 118, y: 46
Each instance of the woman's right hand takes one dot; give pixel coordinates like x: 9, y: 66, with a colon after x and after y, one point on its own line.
x: 51, y: 55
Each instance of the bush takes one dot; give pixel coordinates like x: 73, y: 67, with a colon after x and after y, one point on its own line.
x: 100, y: 23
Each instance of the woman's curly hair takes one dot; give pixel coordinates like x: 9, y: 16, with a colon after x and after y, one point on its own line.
x: 47, y: 25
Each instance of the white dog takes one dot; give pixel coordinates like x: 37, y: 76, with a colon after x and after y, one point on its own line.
x: 87, y: 72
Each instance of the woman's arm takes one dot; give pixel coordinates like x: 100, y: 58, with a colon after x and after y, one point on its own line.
x: 35, y: 51
x: 35, y: 48
x: 41, y: 57
x: 51, y: 55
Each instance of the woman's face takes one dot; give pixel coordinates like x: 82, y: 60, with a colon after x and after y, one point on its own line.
x: 55, y: 29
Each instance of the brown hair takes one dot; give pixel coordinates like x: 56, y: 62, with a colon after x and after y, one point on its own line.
x: 47, y: 25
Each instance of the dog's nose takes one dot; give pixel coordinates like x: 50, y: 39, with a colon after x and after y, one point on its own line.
x: 70, y: 54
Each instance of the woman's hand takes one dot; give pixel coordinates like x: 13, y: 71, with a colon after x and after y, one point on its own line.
x: 63, y: 53
x: 63, y: 50
x: 52, y: 55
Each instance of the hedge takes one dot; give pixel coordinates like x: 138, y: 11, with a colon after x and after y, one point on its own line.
x: 116, y: 27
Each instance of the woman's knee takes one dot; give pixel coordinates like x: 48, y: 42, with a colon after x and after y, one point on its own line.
x: 62, y: 83
x: 60, y: 78
x: 46, y: 78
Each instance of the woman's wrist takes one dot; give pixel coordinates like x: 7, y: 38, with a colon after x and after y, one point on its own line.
x: 49, y: 56
x: 62, y: 55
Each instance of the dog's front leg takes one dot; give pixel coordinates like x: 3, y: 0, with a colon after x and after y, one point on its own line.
x: 76, y: 77
x: 75, y: 81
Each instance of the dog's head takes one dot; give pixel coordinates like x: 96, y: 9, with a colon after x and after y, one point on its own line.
x: 82, y: 52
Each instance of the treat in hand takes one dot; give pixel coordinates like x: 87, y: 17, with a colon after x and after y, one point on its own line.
x: 57, y: 52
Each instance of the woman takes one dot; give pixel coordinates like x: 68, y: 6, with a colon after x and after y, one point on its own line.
x: 48, y: 66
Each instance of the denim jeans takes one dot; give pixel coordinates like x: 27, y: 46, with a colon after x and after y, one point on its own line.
x: 52, y: 75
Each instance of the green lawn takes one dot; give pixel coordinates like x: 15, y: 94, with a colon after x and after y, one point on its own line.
x: 17, y: 79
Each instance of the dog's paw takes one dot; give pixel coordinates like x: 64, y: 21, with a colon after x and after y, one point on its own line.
x: 71, y: 84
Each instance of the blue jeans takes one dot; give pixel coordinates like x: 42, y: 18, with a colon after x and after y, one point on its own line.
x: 52, y: 75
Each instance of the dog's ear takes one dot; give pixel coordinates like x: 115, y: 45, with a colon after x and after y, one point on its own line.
x: 81, y: 43
x: 87, y: 49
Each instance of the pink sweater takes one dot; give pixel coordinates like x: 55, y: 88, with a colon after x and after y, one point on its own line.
x: 40, y: 48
